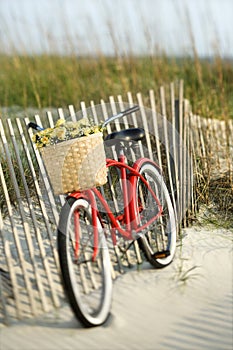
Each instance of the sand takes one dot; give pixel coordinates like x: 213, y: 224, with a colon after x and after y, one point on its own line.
x: 187, y: 305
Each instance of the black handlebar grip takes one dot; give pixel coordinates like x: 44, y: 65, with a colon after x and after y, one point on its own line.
x: 34, y: 126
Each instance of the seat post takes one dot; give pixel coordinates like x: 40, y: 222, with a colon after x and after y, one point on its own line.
x: 119, y: 147
x: 124, y: 183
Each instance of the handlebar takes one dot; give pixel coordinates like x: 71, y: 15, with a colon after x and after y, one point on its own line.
x: 35, y: 126
x: 121, y: 114
x: 107, y: 121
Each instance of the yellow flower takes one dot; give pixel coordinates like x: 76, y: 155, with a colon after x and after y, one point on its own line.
x: 86, y: 131
x: 70, y: 125
x: 59, y: 122
x: 60, y: 133
x: 96, y: 129
x: 46, y: 131
x: 39, y: 145
x: 34, y: 138
x: 74, y: 133
x: 44, y: 140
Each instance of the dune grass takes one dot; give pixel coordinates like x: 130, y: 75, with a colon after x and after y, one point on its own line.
x: 56, y: 81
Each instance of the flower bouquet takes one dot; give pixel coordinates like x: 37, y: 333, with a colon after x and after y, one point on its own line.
x: 65, y: 130
x: 73, y: 154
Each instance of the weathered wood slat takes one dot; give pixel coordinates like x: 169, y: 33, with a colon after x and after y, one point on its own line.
x: 230, y: 124
x: 190, y: 189
x: 145, y: 125
x: 11, y: 270
x: 72, y: 113
x: 155, y: 128
x: 96, y: 120
x: 134, y: 121
x: 167, y: 140
x: 194, y: 172
x: 181, y: 139
x: 186, y: 165
x: 3, y: 303
x: 50, y: 118
x: 174, y: 150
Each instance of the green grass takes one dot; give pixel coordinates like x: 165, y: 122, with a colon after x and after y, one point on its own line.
x: 56, y: 81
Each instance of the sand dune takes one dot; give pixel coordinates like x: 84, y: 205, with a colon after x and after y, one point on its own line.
x: 187, y: 305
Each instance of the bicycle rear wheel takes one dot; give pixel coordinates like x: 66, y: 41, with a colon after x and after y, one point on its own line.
x: 159, y: 243
x: 87, y: 283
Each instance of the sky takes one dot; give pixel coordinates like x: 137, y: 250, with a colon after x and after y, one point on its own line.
x: 117, y: 26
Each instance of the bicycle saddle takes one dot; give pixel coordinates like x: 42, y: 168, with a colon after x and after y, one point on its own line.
x: 133, y: 134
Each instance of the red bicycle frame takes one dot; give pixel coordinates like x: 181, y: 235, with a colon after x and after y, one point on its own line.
x: 131, y: 212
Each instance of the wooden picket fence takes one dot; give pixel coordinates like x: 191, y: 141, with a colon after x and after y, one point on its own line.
x: 29, y: 269
x: 212, y: 145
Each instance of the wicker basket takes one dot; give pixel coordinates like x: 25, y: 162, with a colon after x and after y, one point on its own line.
x: 76, y: 164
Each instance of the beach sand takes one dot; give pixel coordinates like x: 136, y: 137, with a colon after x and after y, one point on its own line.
x: 187, y: 305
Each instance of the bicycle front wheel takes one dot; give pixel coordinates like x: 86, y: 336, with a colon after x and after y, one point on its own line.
x: 159, y: 243
x: 87, y: 279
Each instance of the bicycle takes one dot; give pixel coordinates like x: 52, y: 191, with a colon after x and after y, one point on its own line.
x: 86, y: 222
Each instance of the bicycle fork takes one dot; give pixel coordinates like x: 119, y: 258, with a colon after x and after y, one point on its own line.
x: 90, y: 196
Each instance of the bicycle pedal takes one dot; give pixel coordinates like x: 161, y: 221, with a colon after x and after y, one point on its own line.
x: 162, y: 254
